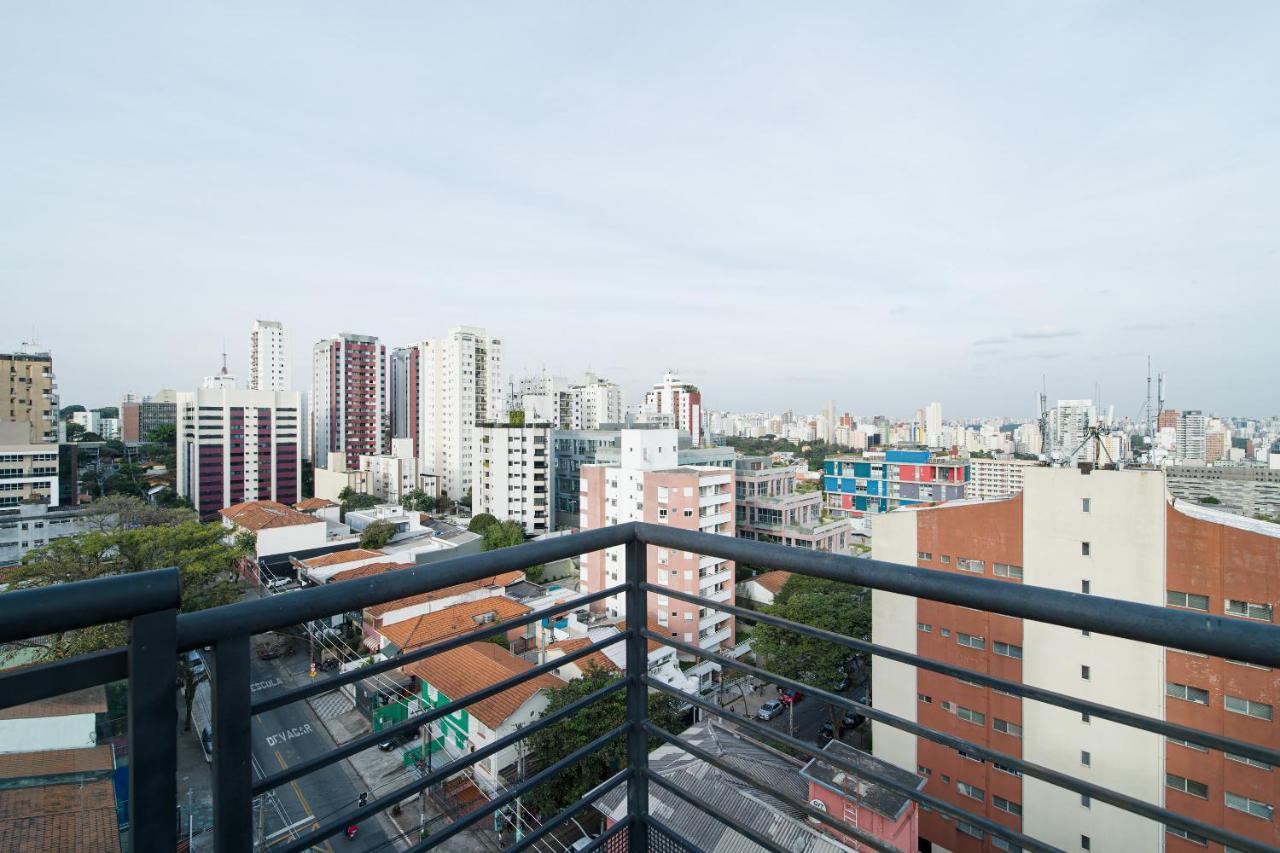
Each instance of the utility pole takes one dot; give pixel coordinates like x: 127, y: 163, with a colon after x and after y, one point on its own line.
x: 520, y: 776
x: 791, y: 717
x: 422, y: 805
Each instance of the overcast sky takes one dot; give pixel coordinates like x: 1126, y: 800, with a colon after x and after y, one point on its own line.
x: 880, y: 203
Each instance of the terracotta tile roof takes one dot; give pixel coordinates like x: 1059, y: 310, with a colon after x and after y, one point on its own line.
x: 378, y: 610
x: 368, y: 570
x: 65, y: 818
x: 54, y: 762
x: 772, y: 581
x: 338, y: 557
x: 600, y: 659
x: 261, y: 515
x: 652, y: 626
x: 91, y: 700
x: 313, y: 503
x: 473, y: 667
x: 450, y: 621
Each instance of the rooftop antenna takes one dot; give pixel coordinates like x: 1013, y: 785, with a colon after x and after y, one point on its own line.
x: 1151, y: 435
x: 224, y: 356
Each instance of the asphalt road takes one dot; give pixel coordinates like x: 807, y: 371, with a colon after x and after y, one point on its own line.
x: 291, y: 734
x: 807, y: 716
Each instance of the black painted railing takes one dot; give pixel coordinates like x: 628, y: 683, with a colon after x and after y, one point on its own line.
x: 157, y: 634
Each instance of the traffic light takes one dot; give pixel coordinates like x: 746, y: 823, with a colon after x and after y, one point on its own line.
x: 364, y: 798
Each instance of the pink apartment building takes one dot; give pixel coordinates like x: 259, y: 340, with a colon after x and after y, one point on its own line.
x: 888, y: 815
x: 648, y: 484
x: 769, y: 509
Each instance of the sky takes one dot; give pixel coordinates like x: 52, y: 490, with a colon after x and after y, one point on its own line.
x: 881, y: 204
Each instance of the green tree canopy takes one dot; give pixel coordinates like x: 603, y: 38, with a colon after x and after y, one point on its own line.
x: 205, y: 561
x: 74, y: 431
x: 108, y: 411
x: 66, y: 411
x: 502, y: 535
x: 482, y: 522
x: 417, y: 500
x: 377, y: 534
x: 554, y: 742
x: 351, y: 500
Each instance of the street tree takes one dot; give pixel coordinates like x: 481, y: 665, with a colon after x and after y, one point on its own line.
x: 377, y: 534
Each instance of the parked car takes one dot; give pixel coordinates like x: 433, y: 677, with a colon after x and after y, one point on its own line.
x: 852, y: 719
x: 196, y: 663
x: 770, y: 709
x: 789, y: 696
x: 277, y: 583
x: 269, y: 649
x: 825, y: 733
x: 399, y: 740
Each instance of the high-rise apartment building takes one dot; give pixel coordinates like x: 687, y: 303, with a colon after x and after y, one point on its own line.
x: 30, y: 394
x: 513, y: 477
x: 461, y: 383
x: 648, y: 483
x: 1112, y: 534
x: 1167, y: 419
x: 404, y: 395
x: 996, y: 478
x: 269, y: 361
x: 1191, y: 436
x: 348, y: 398
x: 1069, y: 425
x: 236, y: 446
x: 682, y: 401
x: 140, y: 415
x: 589, y: 403
x: 933, y: 425
x: 28, y: 469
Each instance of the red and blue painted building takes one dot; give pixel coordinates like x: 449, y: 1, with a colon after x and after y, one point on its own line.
x: 855, y: 486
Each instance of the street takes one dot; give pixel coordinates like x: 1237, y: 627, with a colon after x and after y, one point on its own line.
x: 810, y: 713
x: 293, y: 733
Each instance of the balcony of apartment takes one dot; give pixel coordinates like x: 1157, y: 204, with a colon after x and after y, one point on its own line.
x: 157, y: 634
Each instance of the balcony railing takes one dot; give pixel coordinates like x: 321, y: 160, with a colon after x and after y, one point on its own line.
x: 157, y: 633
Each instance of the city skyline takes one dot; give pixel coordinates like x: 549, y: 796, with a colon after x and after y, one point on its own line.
x: 880, y: 170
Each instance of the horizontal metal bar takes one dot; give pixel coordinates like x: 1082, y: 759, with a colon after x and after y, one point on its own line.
x: 80, y: 604
x: 730, y: 823
x: 310, y: 765
x: 315, y: 688
x: 1222, y: 636
x: 1061, y: 700
x: 750, y: 725
x: 437, y: 838
x: 724, y: 767
x: 550, y: 826
x: 1053, y: 777
x: 439, y: 774
x: 44, y: 680
x: 202, y: 628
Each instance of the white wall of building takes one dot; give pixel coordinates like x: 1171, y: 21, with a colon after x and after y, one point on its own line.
x: 269, y: 360
x: 513, y: 475
x: 893, y: 624
x: 74, y: 731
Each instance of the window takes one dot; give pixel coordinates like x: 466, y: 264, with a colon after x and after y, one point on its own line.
x: 1086, y: 801
x: 1187, y: 786
x: 971, y: 716
x: 924, y: 627
x: 1084, y: 842
x: 923, y: 771
x: 946, y: 706
x: 1237, y: 705
x: 1084, y: 587
x: 924, y: 555
x: 1248, y: 610
x: 1006, y: 805
x: 946, y: 632
x: 1085, y: 717
x: 1248, y: 806
x: 969, y: 756
x: 1084, y: 672
x: 1003, y: 768
x: 969, y: 829
x: 1006, y: 727
x: 1183, y: 691
x: 973, y: 641
x: 928, y: 700
x: 971, y: 791
x: 1084, y: 504
x: 966, y: 565
x: 1188, y: 744
x: 946, y: 780
x: 1085, y: 758
x: 1000, y: 844
x: 1084, y: 549
x: 1007, y: 650
x: 1244, y: 759
x: 1190, y: 836
x: 945, y: 559
x: 1189, y: 600
x: 1003, y: 570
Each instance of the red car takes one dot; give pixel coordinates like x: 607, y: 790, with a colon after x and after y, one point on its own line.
x: 789, y: 696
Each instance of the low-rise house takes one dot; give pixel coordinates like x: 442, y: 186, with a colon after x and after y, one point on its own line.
x: 387, y: 613
x: 277, y: 529
x: 68, y: 817
x: 461, y: 618
x: 452, y: 675
x: 753, y: 804
x: 868, y: 805
x: 762, y: 589
x: 325, y: 567
x: 321, y: 508
x: 406, y: 523
x: 663, y: 663
x: 69, y: 721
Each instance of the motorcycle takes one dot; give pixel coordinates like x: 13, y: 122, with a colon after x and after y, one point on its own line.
x: 351, y: 831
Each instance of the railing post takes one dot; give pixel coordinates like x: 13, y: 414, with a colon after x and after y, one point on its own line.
x: 232, y: 747
x: 153, y: 729
x: 637, y: 700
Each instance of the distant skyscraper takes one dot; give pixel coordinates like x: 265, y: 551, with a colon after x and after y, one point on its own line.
x: 269, y: 361
x: 348, y: 398
x: 404, y: 395
x: 1069, y: 425
x: 30, y: 396
x: 829, y: 422
x: 682, y: 400
x: 461, y: 386
x: 933, y: 425
x: 1191, y: 436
